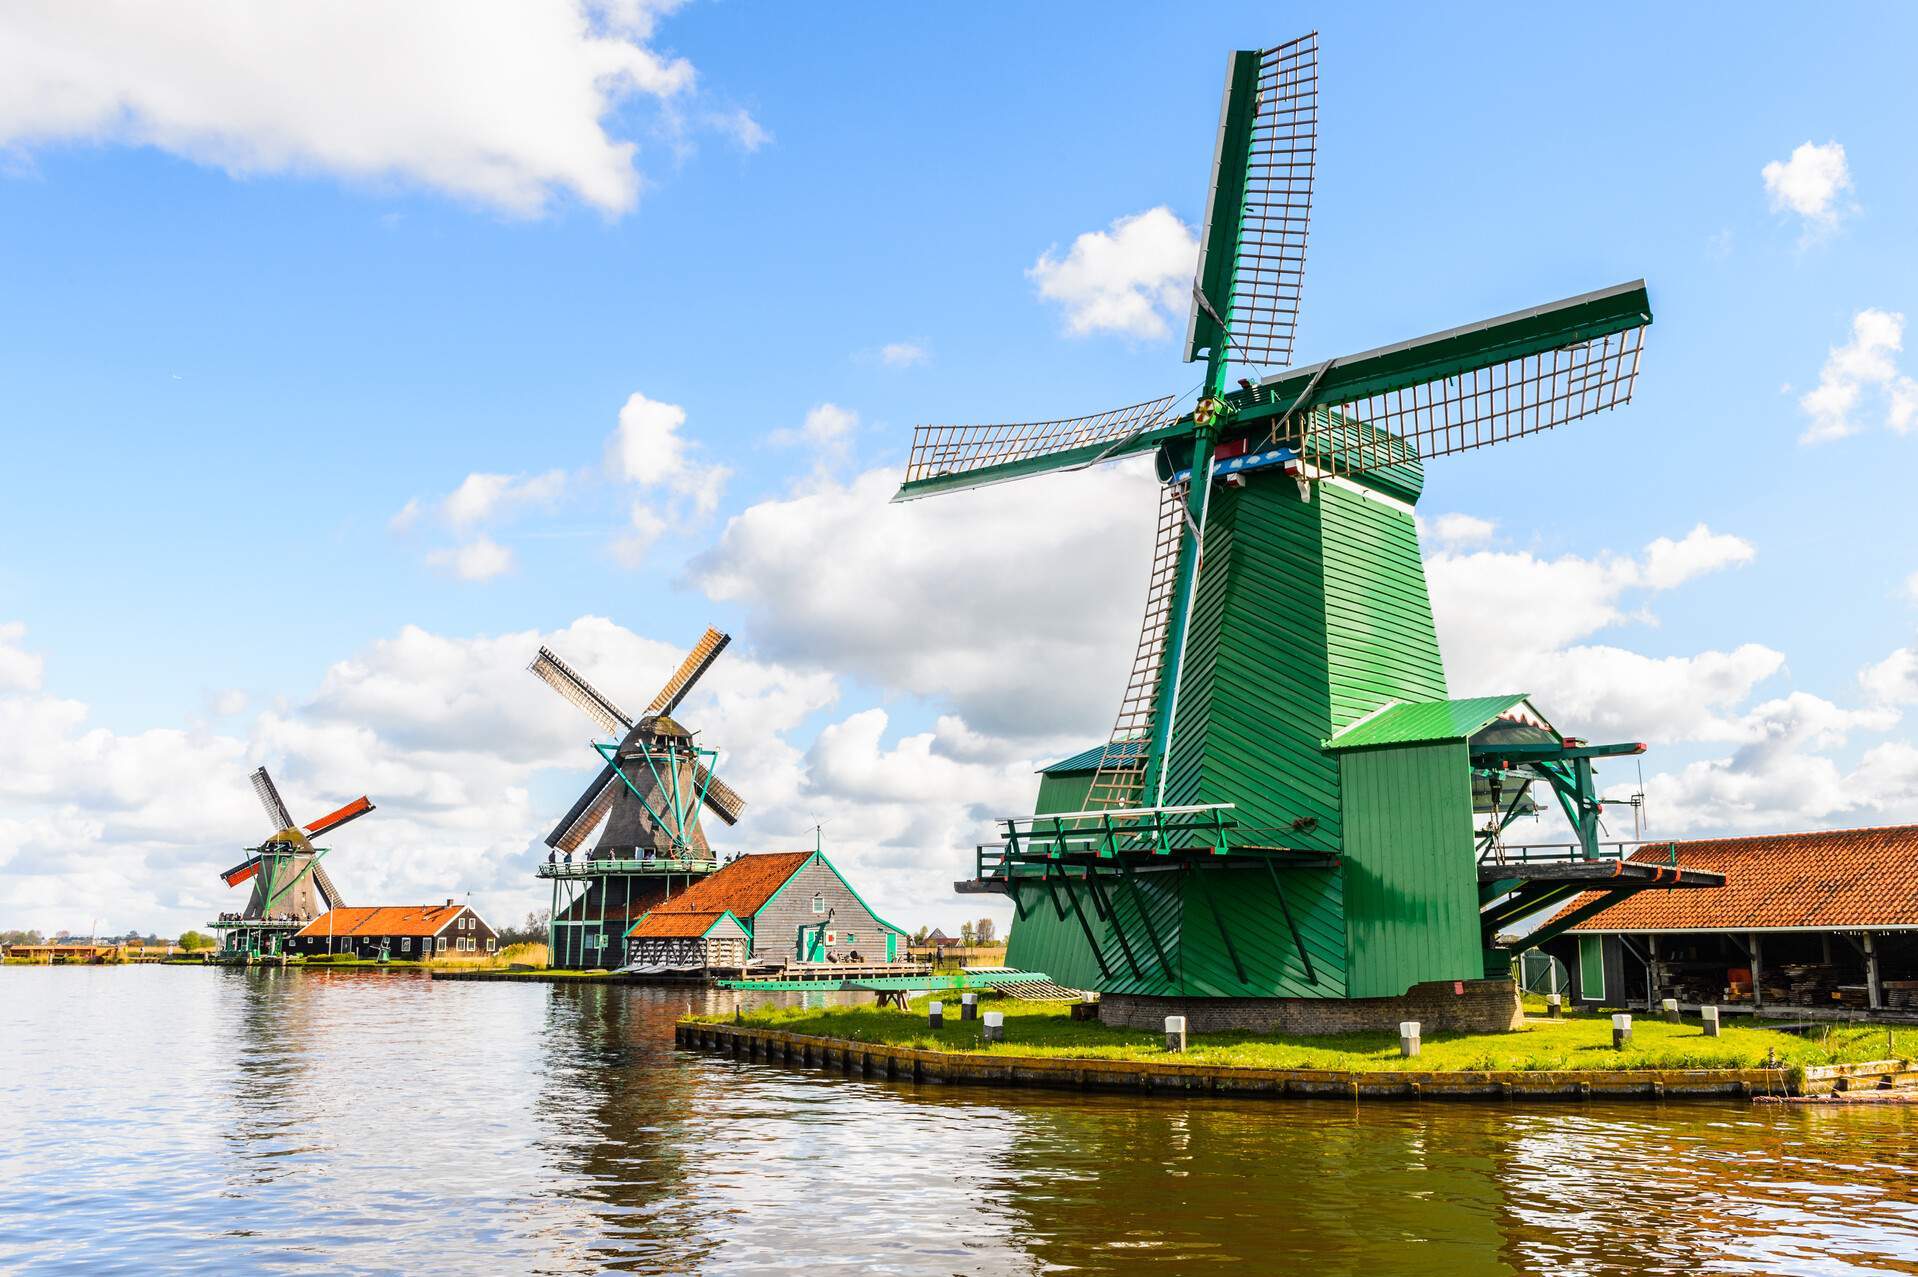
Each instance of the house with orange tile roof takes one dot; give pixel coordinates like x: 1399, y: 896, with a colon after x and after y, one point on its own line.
x: 773, y: 909
x: 397, y: 932
x: 1824, y: 921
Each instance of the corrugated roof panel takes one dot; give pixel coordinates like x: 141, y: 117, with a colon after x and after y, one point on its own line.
x: 1421, y: 722
x: 1088, y: 760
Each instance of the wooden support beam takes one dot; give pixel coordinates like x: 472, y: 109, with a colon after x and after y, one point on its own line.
x: 1757, y: 951
x: 1112, y: 920
x: 1152, y: 932
x: 1218, y: 918
x: 1874, y: 991
x: 1298, y: 941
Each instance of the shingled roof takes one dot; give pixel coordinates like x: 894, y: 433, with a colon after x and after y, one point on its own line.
x: 1838, y: 879
x: 383, y: 920
x: 742, y: 885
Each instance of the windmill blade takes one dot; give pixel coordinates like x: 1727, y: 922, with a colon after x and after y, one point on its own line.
x: 328, y: 892
x: 334, y: 819
x: 1259, y: 206
x: 241, y: 872
x: 1120, y: 778
x: 586, y: 813
x: 951, y: 458
x: 721, y: 800
x: 565, y: 680
x: 270, y: 799
x: 697, y: 661
x: 1461, y: 389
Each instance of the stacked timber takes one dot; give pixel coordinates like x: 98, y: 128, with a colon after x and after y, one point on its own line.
x: 1805, y: 985
x: 1900, y: 995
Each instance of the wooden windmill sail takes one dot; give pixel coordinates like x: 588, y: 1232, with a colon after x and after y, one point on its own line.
x: 655, y: 781
x: 289, y: 882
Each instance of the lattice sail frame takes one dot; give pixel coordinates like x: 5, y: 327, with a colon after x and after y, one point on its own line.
x: 269, y: 796
x: 1121, y: 778
x: 564, y: 679
x: 948, y: 450
x: 1262, y: 315
x: 1470, y: 409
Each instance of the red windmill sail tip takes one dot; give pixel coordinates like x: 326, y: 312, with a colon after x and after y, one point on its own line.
x: 241, y: 872
x: 333, y: 820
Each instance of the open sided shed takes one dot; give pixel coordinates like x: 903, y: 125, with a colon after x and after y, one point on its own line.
x: 1825, y: 920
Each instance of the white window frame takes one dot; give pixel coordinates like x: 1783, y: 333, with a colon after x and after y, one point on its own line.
x: 819, y: 902
x: 406, y: 944
x: 442, y: 944
x: 489, y: 946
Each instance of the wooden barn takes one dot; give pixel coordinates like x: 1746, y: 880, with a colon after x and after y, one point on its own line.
x: 1824, y: 921
x: 775, y: 909
x: 397, y: 932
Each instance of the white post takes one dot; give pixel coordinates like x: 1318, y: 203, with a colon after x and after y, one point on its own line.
x: 936, y: 1014
x: 1621, y: 1031
x: 1175, y: 1033
x: 1408, y: 1038
x: 995, y: 1026
x: 1554, y: 1006
x: 968, y: 1006
x: 1873, y: 997
x: 1710, y: 1016
x: 1669, y: 1008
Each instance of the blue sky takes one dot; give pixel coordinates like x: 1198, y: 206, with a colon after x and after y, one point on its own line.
x: 228, y: 359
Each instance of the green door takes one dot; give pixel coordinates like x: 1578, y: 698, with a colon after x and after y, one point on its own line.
x: 892, y: 947
x: 1591, y: 968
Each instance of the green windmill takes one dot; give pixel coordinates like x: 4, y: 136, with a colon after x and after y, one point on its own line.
x: 1286, y: 808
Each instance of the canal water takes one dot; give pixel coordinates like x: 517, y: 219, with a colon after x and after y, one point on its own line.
x: 173, y: 1120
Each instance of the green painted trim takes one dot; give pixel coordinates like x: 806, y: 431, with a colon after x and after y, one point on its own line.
x: 1424, y: 722
x: 1064, y: 459
x: 1225, y: 203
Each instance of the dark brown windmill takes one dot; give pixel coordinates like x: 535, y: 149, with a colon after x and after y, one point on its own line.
x: 648, y: 796
x: 290, y: 886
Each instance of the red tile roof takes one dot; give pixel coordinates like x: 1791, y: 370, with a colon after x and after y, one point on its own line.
x: 383, y: 920
x: 1837, y: 878
x: 743, y: 886
x: 660, y: 925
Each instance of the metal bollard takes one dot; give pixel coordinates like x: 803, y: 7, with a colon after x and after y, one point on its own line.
x: 1621, y: 1031
x: 968, y: 1006
x: 1408, y: 1037
x: 1669, y: 1009
x: 1710, y: 1016
x: 995, y: 1026
x: 1554, y: 1006
x: 1175, y: 1033
x: 936, y: 1014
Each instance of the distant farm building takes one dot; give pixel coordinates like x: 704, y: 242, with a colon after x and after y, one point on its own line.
x: 776, y: 909
x: 398, y: 932
x: 1816, y: 920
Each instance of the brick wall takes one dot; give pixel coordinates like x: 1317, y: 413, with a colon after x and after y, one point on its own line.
x: 1469, y: 1006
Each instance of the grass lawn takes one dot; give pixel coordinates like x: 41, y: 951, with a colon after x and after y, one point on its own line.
x: 1579, y: 1041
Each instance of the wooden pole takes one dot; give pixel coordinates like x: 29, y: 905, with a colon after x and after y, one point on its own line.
x: 1872, y: 983
x: 1757, y: 952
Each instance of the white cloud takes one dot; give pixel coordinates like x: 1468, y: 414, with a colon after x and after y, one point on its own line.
x: 1018, y: 605
x: 902, y: 354
x: 404, y: 519
x: 1457, y: 529
x: 505, y: 104
x: 20, y: 670
x: 739, y: 125
x: 480, y: 559
x: 483, y: 497
x: 1128, y: 279
x: 1669, y: 564
x: 827, y: 431
x: 228, y: 702
x: 1810, y: 183
x: 649, y: 449
x: 1868, y: 360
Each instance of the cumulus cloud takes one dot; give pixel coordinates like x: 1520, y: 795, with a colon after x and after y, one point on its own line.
x: 20, y: 670
x: 648, y: 449
x: 1866, y: 362
x: 1669, y: 564
x: 1019, y: 606
x: 1810, y: 183
x: 827, y: 432
x: 480, y: 559
x: 902, y: 354
x: 1457, y: 529
x: 503, y: 104
x: 481, y: 498
x: 1127, y: 279
x: 469, y: 761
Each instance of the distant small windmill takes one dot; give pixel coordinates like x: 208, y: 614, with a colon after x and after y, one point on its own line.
x: 290, y: 886
x: 649, y: 795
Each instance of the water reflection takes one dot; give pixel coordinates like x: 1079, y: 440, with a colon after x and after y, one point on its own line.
x: 159, y: 1121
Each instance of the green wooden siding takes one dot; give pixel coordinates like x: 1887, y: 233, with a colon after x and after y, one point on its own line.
x: 1179, y: 903
x: 1411, y: 894
x: 1381, y: 645
x: 1063, y: 792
